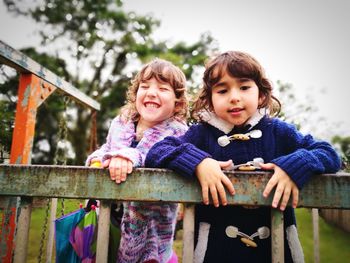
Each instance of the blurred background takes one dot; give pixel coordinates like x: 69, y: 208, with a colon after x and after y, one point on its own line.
x: 99, y: 45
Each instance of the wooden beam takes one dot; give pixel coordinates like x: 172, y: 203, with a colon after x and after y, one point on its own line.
x: 23, y: 64
x: 323, y: 191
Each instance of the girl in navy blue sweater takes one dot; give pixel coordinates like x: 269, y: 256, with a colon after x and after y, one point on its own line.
x: 235, y: 110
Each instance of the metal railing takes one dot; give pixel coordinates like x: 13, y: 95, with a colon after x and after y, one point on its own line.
x: 160, y: 185
x: 36, y: 84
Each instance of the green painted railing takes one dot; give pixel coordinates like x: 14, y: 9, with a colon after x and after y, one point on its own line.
x: 149, y: 185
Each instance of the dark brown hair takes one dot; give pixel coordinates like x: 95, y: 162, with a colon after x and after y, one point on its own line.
x: 239, y: 65
x: 164, y: 72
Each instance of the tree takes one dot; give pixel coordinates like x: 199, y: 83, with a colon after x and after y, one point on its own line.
x: 100, y: 46
x: 344, y: 148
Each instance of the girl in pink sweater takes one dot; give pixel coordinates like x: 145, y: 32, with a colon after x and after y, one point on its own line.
x: 156, y: 108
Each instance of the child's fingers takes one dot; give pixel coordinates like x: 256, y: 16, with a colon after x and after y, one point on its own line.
x: 270, y: 185
x: 123, y: 169
x: 222, y: 194
x: 106, y: 163
x: 295, y: 193
x: 205, y: 195
x: 277, y: 197
x: 285, y: 199
x: 129, y: 167
x: 267, y: 166
x: 226, y: 181
x: 227, y: 165
x: 115, y: 170
x: 214, y: 195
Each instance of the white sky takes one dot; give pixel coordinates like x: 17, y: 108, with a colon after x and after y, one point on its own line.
x: 305, y: 43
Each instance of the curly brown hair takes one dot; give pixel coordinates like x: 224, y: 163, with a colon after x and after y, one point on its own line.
x: 164, y: 72
x: 239, y: 65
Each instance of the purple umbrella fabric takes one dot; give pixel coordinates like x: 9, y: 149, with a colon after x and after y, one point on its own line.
x: 83, y: 237
x: 63, y: 229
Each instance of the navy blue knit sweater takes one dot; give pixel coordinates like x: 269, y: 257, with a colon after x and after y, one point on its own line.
x: 282, y: 144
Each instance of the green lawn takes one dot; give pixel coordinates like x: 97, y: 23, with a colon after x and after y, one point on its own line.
x: 334, y: 243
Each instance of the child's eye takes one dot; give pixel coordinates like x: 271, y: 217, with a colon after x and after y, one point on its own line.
x: 222, y: 91
x: 143, y: 86
x: 245, y: 88
x: 164, y: 88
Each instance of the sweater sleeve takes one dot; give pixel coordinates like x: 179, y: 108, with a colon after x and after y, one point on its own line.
x: 178, y: 153
x: 112, y: 147
x: 138, y: 155
x: 304, y: 156
x: 100, y: 152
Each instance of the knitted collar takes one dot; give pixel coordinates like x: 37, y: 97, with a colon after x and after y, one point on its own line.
x: 226, y: 127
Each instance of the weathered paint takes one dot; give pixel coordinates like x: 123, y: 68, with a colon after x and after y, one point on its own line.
x: 188, y: 234
x: 31, y: 93
x: 22, y: 237
x: 24, y: 64
x: 159, y: 185
x: 103, y: 231
x: 7, y: 232
x: 164, y: 185
x: 277, y: 236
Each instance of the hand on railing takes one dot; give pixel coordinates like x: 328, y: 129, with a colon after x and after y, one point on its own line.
x: 118, y: 167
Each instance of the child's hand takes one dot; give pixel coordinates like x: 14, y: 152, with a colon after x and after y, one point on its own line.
x: 212, y: 179
x: 284, y: 186
x: 119, y: 168
x: 227, y: 165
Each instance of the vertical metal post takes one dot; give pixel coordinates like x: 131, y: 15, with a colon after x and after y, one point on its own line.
x: 103, y: 231
x: 25, y: 211
x: 51, y: 234
x: 188, y: 234
x: 32, y: 92
x: 316, y: 235
x: 277, y: 236
x: 7, y: 231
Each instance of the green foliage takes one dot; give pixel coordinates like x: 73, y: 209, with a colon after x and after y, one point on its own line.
x: 6, y: 122
x: 102, y: 46
x: 344, y: 147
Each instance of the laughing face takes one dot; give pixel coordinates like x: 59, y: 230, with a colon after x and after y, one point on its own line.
x: 155, y: 102
x: 235, y: 100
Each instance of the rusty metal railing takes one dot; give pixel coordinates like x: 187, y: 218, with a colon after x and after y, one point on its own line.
x: 36, y: 84
x: 149, y: 185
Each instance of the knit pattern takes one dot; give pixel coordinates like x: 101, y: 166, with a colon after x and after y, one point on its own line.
x: 281, y: 143
x: 147, y: 228
x: 299, y: 156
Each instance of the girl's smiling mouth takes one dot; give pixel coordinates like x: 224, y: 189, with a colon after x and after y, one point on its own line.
x: 151, y: 105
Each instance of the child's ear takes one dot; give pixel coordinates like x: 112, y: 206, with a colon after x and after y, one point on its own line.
x: 178, y: 106
x: 261, y: 100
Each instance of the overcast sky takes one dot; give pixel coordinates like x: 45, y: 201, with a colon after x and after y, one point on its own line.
x: 305, y: 43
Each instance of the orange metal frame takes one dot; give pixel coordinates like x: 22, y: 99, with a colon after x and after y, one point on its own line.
x: 32, y: 92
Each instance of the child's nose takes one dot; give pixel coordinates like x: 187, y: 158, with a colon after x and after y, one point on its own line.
x: 152, y: 91
x: 234, y: 95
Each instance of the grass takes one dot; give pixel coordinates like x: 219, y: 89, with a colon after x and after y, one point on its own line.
x: 37, y: 226
x: 334, y: 243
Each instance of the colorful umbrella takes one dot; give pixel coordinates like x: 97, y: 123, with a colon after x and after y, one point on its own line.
x: 63, y: 228
x: 83, y: 237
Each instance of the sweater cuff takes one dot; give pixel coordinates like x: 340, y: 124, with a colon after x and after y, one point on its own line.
x: 187, y: 162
